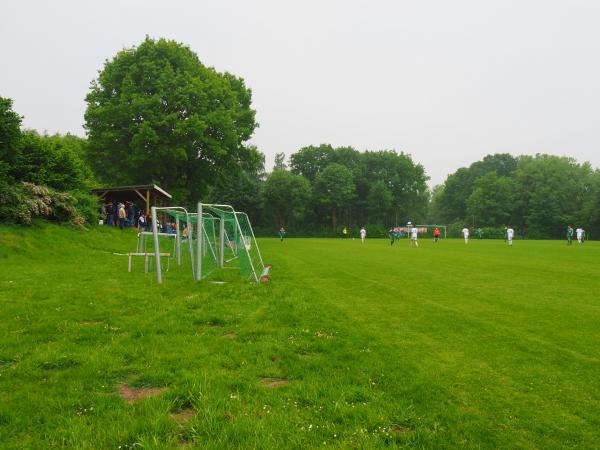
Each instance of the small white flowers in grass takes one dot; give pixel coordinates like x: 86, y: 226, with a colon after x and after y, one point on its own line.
x: 84, y: 411
x: 233, y: 396
x: 323, y: 334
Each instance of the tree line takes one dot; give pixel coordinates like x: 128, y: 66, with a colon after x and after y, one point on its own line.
x: 156, y: 114
x: 538, y: 195
x: 41, y: 175
x: 324, y: 189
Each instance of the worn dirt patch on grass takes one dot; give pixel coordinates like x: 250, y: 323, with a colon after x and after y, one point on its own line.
x: 183, y: 415
x: 133, y: 395
x: 399, y: 429
x: 273, y: 383
x: 230, y: 335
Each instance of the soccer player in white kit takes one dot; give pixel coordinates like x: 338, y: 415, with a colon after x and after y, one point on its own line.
x: 579, y: 233
x: 509, y: 235
x: 465, y: 232
x: 414, y: 233
x: 363, y: 234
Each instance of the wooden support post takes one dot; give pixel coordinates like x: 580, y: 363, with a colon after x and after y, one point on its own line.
x: 147, y: 202
x: 177, y: 240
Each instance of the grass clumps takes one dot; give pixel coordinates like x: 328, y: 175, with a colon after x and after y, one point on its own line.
x: 475, y: 346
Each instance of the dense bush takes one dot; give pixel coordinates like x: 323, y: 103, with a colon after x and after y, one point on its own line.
x: 22, y: 202
x: 55, y: 161
x: 43, y: 176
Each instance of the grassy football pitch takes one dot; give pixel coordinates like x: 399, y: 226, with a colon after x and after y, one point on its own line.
x: 351, y: 346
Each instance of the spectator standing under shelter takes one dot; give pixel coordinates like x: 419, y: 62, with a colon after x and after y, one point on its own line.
x: 110, y: 213
x: 130, y: 214
x: 142, y: 221
x: 122, y: 215
x: 116, y: 213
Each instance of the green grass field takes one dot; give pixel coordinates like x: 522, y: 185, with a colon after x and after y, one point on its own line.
x: 350, y: 346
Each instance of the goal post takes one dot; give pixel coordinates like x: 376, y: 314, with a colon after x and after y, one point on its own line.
x: 234, y: 240
x: 217, y: 237
x: 181, y: 217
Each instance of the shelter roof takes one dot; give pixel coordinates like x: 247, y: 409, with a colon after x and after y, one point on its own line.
x: 152, y: 187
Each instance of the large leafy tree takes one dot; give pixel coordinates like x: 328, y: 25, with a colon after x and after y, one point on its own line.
x: 405, y: 180
x: 280, y: 162
x: 459, y: 185
x: 286, y: 196
x: 492, y: 200
x: 241, y: 188
x: 156, y: 113
x: 590, y: 212
x: 379, y: 202
x: 54, y: 161
x: 309, y: 161
x: 334, y: 190
x: 10, y: 134
x: 552, y: 192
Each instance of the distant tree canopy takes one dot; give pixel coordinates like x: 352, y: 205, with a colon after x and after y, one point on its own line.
x: 56, y: 161
x: 155, y: 113
x: 540, y: 194
x: 328, y: 188
x: 285, y: 198
x: 10, y: 134
x: 41, y: 175
x: 355, y: 188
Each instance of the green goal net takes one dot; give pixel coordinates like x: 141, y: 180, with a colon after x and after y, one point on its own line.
x: 235, y: 241
x: 221, y: 239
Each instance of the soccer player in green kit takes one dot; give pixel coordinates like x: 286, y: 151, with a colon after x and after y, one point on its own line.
x: 569, y: 235
x: 392, y: 235
x: 281, y: 234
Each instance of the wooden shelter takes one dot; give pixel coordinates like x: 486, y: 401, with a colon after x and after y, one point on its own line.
x: 148, y: 194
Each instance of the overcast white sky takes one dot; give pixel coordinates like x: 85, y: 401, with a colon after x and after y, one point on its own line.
x: 447, y: 81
